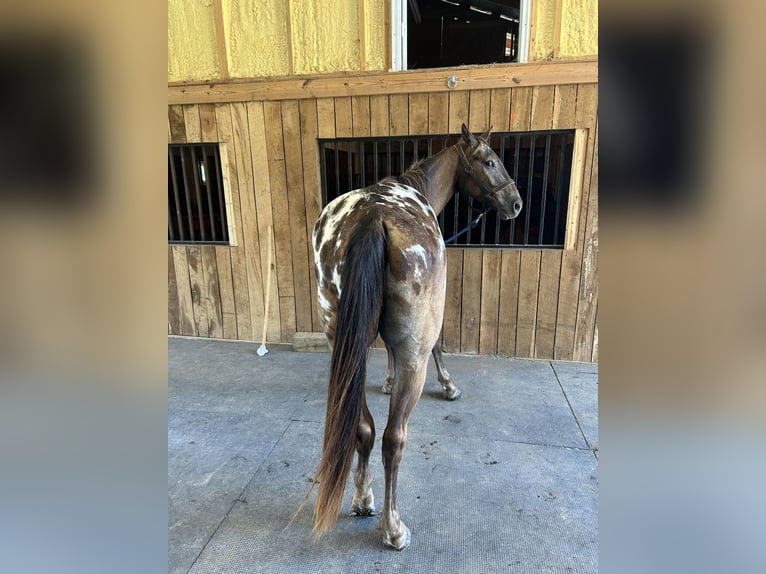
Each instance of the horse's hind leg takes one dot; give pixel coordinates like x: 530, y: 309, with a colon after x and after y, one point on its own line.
x: 389, y: 383
x: 363, y: 503
x: 449, y: 390
x: 406, y: 392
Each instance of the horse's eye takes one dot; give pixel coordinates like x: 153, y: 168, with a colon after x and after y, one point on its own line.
x: 489, y: 163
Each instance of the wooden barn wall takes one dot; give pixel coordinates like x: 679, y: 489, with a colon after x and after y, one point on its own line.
x: 539, y: 303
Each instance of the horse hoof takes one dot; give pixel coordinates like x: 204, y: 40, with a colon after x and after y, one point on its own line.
x: 453, y: 395
x: 366, y: 508
x: 400, y: 541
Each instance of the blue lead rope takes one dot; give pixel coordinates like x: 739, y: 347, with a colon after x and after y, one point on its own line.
x: 471, y: 225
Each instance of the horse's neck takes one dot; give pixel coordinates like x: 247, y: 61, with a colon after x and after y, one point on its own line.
x: 442, y: 178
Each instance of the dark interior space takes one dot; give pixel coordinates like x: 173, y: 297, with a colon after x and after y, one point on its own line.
x: 457, y: 32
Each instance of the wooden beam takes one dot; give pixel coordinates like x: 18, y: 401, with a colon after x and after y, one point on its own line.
x: 532, y: 30
x: 220, y: 34
x: 575, y: 188
x: 290, y: 55
x: 558, y: 15
x: 362, y: 37
x: 321, y: 86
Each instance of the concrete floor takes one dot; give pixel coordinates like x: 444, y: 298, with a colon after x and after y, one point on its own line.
x: 502, y: 480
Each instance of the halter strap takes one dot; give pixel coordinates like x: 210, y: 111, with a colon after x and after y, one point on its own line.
x: 489, y: 191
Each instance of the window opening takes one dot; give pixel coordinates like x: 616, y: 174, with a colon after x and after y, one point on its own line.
x: 196, y: 205
x: 442, y: 33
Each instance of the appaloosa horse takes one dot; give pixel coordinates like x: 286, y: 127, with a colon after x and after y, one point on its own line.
x: 381, y: 268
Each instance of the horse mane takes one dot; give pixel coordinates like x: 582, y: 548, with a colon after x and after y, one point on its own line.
x: 415, y: 176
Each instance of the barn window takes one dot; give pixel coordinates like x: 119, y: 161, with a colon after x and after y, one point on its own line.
x: 196, y: 194
x: 539, y: 161
x: 441, y: 33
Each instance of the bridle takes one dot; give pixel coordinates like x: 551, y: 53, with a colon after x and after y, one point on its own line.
x: 489, y: 192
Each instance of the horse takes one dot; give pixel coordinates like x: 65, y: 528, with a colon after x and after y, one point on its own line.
x: 381, y: 269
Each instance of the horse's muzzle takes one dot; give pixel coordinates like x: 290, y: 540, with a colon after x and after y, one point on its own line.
x: 514, y: 208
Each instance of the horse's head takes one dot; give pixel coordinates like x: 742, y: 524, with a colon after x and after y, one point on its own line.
x: 485, y: 176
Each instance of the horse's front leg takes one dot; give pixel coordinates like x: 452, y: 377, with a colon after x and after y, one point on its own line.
x: 449, y: 390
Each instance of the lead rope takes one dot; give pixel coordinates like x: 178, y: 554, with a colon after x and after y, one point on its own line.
x: 470, y: 226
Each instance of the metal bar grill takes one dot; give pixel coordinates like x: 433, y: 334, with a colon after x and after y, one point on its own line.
x: 539, y: 162
x: 196, y: 205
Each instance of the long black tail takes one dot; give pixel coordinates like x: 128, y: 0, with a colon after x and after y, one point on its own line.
x: 356, y: 327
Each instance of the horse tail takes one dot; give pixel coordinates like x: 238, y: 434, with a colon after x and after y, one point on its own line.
x: 356, y: 327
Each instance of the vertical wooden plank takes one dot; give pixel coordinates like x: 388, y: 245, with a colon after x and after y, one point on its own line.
x: 379, y: 120
x: 399, y: 117
x: 558, y: 13
x: 564, y: 100
x: 290, y: 48
x: 594, y: 355
x: 500, y: 109
x: 478, y: 113
x: 326, y: 117
x: 471, y: 303
x: 208, y: 124
x: 529, y: 279
x: 212, y: 291
x: 174, y: 313
x: 585, y: 117
x: 458, y: 111
x: 291, y: 126
x: 542, y: 108
x: 251, y: 238
x: 566, y: 313
x: 508, y: 302
x: 453, y: 300
x: 238, y: 258
x: 532, y: 16
x: 490, y: 301
x: 576, y: 179
x: 360, y: 116
x: 588, y: 299
x: 192, y: 124
x: 438, y: 113
x: 220, y: 41
x: 547, y: 303
x: 177, y: 124
x: 226, y: 289
x: 521, y: 109
x: 198, y: 290
x: 571, y: 264
x: 187, y: 325
x: 312, y: 190
x: 362, y: 36
x: 418, y: 110
x: 272, y: 112
x: 344, y: 124
x: 564, y: 117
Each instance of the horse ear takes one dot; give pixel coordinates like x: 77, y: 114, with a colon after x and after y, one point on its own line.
x: 485, y: 135
x: 469, y: 137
